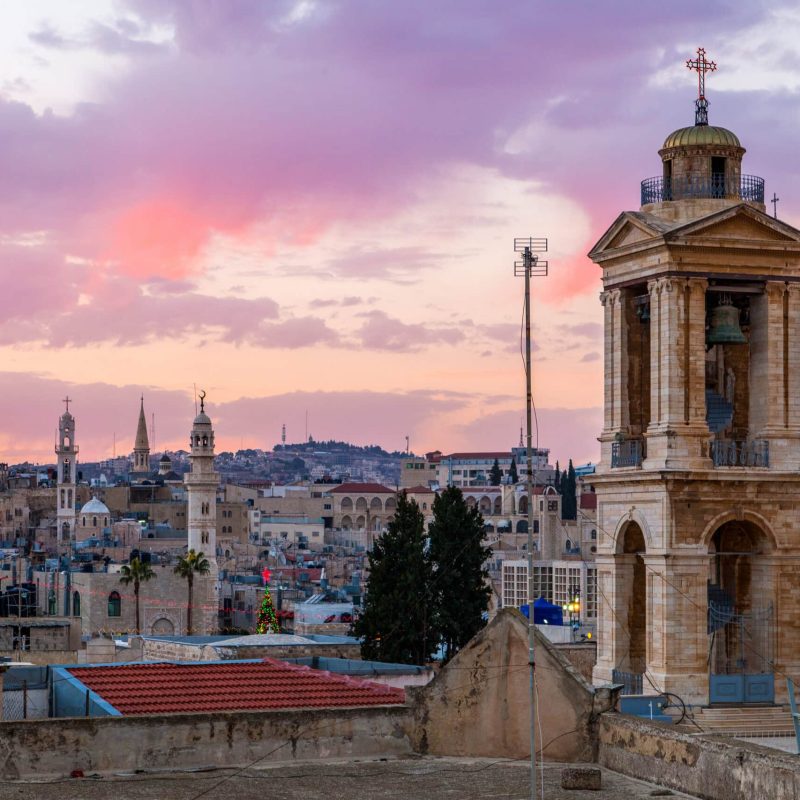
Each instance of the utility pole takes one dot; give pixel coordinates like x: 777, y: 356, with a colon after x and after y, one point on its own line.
x: 530, y: 266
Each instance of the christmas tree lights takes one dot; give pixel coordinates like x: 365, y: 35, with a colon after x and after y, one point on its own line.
x: 267, y: 620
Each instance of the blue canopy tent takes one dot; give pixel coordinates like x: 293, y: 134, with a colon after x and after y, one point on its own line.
x: 545, y: 613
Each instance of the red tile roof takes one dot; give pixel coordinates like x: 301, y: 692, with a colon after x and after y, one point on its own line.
x: 589, y: 501
x: 164, y: 688
x: 362, y: 488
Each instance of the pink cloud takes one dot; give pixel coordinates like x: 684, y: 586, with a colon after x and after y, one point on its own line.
x: 382, y: 332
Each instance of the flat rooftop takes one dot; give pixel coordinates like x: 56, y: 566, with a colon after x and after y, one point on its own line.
x: 410, y: 779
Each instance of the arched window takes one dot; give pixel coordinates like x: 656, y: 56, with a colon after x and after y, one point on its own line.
x: 76, y: 604
x: 114, y: 605
x: 205, y: 441
x: 568, y: 545
x: 84, y: 522
x: 94, y: 522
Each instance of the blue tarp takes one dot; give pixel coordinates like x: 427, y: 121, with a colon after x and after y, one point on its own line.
x: 545, y: 613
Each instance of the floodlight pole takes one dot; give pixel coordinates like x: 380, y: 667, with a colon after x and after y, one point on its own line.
x: 530, y: 265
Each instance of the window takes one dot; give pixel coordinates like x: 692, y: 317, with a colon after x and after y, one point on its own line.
x: 591, y: 592
x: 594, y: 534
x: 51, y: 603
x: 76, y: 604
x: 114, y: 605
x: 543, y: 583
x: 559, y: 586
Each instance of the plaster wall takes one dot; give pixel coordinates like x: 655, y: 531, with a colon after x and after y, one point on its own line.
x: 478, y: 705
x: 53, y: 748
x: 712, y: 768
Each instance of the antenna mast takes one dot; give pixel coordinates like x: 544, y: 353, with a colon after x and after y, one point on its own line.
x: 530, y: 266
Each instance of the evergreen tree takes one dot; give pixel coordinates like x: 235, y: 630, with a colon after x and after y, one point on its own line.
x: 512, y: 472
x: 557, y: 477
x: 267, y: 621
x: 460, y: 581
x: 396, y: 623
x: 495, y: 474
x: 569, y: 499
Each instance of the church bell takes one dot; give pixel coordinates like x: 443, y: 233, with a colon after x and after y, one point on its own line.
x: 724, y: 327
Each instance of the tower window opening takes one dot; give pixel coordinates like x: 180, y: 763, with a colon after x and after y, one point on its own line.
x: 718, y: 176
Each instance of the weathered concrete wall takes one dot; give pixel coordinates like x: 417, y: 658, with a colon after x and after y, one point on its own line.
x: 54, y: 748
x: 155, y: 650
x: 709, y: 767
x: 478, y: 705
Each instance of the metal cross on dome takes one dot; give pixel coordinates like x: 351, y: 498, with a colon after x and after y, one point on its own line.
x: 67, y: 400
x: 701, y: 65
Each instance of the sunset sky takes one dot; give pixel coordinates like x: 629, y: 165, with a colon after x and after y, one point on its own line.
x: 310, y: 206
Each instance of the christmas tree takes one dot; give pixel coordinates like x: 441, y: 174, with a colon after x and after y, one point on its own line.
x: 267, y: 621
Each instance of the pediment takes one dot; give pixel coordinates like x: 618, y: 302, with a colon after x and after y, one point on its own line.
x: 742, y: 223
x: 629, y: 228
x: 629, y: 234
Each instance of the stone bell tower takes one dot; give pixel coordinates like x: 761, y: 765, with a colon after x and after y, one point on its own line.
x: 66, y: 477
x: 201, y: 487
x: 699, y: 481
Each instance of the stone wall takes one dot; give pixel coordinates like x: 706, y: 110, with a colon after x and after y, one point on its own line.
x: 53, y: 748
x: 709, y: 767
x: 478, y: 703
x: 582, y: 656
x: 155, y: 650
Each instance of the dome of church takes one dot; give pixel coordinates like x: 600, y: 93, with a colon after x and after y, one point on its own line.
x: 702, y: 134
x: 95, y: 506
x: 165, y: 459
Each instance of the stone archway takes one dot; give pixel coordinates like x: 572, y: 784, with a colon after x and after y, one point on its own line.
x: 162, y: 627
x: 741, y: 624
x: 633, y: 599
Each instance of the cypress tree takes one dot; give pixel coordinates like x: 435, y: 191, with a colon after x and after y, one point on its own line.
x: 395, y: 624
x: 460, y: 581
x: 512, y: 472
x: 495, y: 474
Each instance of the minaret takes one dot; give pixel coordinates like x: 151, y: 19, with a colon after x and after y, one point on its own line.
x: 201, y: 486
x: 66, y: 465
x: 141, y: 448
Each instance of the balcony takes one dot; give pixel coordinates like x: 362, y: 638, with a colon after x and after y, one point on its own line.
x: 740, y: 453
x: 746, y: 187
x: 627, y: 453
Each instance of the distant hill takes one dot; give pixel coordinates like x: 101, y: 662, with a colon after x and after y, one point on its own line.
x: 333, y: 446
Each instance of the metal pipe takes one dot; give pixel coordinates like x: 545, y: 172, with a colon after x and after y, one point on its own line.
x: 528, y: 263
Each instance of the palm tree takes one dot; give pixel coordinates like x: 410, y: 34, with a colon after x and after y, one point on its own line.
x: 187, y: 566
x: 136, y: 572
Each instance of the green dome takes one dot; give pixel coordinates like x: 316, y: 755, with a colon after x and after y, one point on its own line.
x: 702, y: 134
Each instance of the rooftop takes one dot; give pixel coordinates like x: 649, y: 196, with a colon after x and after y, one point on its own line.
x: 167, y: 688
x: 420, y: 779
x: 366, y: 488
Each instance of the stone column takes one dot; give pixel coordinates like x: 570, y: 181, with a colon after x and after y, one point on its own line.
x: 767, y: 395
x: 615, y: 410
x: 677, y: 634
x: 793, y: 357
x: 654, y: 290
x: 697, y: 351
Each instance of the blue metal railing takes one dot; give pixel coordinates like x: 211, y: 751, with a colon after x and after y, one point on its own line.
x: 627, y: 453
x: 631, y: 681
x: 660, y: 189
x: 740, y: 453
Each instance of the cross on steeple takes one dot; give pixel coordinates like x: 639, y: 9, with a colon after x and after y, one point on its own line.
x: 701, y: 65
x: 67, y: 400
x: 774, y: 201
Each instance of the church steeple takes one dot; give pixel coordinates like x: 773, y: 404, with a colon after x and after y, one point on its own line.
x: 141, y: 447
x: 66, y: 466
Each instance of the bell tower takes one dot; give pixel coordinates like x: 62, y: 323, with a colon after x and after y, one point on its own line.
x: 66, y: 478
x: 141, y: 447
x: 699, y: 480
x: 201, y: 487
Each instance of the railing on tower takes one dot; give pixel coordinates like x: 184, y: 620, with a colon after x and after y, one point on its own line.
x: 627, y: 453
x: 745, y: 187
x: 740, y: 453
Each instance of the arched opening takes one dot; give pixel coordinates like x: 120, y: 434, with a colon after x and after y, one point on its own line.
x: 741, y: 627
x: 522, y: 506
x: 633, y: 599
x: 522, y: 526
x: 360, y: 523
x: 114, y: 605
x: 498, y: 505
x: 391, y: 504
x: 347, y: 523
x: 347, y: 504
x: 375, y: 504
x: 485, y: 505
x: 163, y: 627
x: 361, y: 504
x: 471, y: 502
x: 76, y: 604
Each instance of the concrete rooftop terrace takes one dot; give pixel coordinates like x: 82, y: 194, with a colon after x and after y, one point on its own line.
x: 410, y: 779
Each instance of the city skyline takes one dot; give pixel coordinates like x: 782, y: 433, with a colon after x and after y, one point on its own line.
x: 311, y: 207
